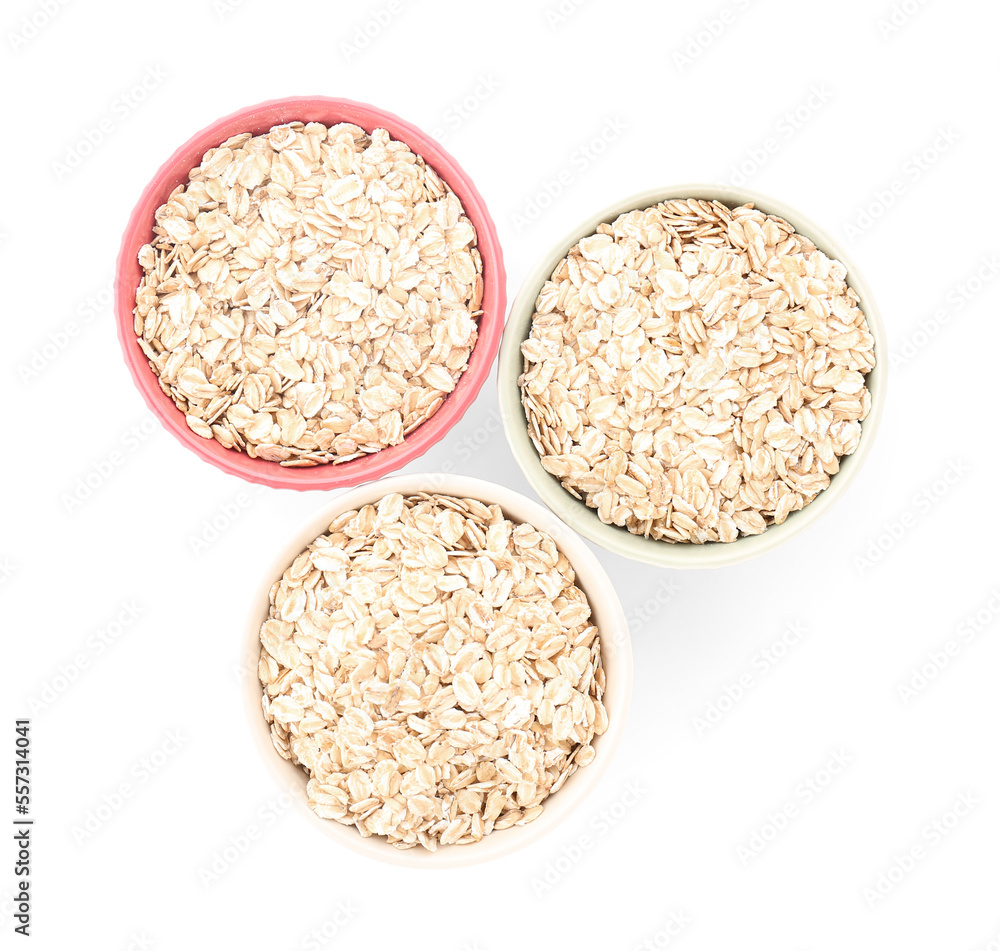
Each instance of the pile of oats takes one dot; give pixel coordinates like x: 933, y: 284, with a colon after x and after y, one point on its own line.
x: 695, y: 372
x: 434, y: 669
x: 311, y: 294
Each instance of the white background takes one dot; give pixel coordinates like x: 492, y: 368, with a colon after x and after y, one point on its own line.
x: 912, y: 104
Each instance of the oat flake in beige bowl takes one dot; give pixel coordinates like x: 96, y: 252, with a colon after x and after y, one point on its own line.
x: 695, y: 371
x: 434, y: 667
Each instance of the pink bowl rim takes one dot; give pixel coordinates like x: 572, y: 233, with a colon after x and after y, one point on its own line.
x: 258, y: 118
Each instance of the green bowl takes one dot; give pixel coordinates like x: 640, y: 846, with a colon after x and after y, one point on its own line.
x: 584, y: 519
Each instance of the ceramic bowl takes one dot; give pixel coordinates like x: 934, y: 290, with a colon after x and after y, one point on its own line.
x: 584, y: 519
x: 616, y: 657
x: 258, y: 119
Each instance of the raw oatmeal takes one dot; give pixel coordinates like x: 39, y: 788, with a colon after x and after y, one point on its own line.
x: 310, y: 295
x: 696, y: 372
x: 434, y: 668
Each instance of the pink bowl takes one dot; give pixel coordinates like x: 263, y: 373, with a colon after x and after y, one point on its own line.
x: 258, y: 119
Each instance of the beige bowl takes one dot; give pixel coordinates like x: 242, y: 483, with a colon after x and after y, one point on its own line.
x: 584, y: 519
x: 615, y: 649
